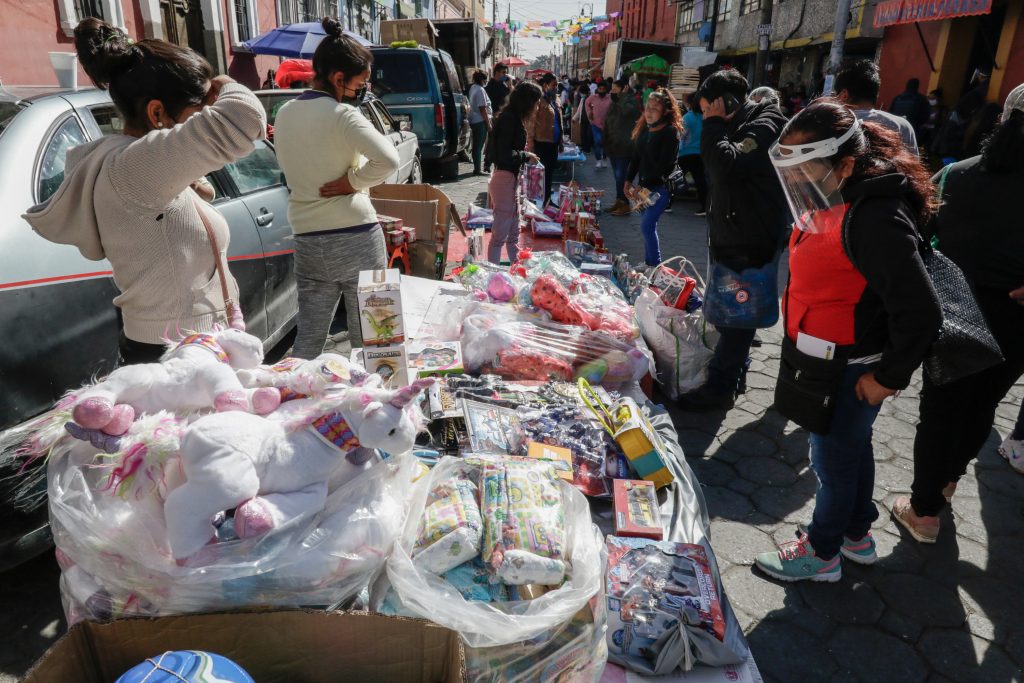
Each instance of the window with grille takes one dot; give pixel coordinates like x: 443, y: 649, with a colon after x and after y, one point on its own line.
x: 243, y: 21
x: 724, y: 8
x: 748, y: 6
x: 691, y: 15
x: 89, y: 8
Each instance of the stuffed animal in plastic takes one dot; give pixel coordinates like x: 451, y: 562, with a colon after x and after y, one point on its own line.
x: 297, y: 378
x: 274, y: 471
x: 549, y: 294
x: 197, y: 373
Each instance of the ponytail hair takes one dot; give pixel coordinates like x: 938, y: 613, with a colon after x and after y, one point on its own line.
x: 876, y: 150
x: 137, y: 73
x: 338, y: 52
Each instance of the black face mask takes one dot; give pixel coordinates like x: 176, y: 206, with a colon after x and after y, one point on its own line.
x: 602, y: 94
x: 357, y: 97
x: 615, y: 97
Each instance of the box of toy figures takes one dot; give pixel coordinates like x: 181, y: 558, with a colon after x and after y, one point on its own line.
x: 636, y: 509
x: 379, y: 294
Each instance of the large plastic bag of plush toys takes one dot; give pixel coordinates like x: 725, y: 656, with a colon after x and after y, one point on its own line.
x: 503, y: 552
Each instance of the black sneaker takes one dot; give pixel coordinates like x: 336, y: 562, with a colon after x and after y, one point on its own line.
x: 702, y: 400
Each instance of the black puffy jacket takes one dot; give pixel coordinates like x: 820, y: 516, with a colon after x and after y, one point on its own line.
x: 748, y: 212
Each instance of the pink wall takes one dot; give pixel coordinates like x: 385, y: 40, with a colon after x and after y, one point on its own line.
x: 249, y: 69
x: 904, y: 58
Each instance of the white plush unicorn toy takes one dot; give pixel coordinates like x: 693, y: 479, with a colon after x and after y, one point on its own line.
x: 298, y: 378
x: 198, y: 373
x: 276, y: 470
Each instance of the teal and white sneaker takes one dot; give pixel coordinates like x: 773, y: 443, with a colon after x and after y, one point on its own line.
x: 796, y: 561
x: 861, y: 551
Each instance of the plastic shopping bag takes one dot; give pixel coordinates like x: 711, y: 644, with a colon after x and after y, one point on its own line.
x: 677, y: 338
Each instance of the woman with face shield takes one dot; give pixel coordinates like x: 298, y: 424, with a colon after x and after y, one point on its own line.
x: 860, y: 314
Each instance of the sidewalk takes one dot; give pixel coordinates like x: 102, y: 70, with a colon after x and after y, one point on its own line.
x: 950, y: 612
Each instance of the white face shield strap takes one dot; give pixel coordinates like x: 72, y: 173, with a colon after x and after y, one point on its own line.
x: 807, y: 177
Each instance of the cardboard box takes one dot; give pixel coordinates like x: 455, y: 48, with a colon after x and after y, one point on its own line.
x: 427, y: 209
x: 390, y: 362
x: 636, y: 509
x: 281, y: 646
x: 422, y: 31
x: 434, y: 358
x: 561, y: 458
x: 380, y: 307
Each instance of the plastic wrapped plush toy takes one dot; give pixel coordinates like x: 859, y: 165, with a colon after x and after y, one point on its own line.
x: 531, y: 183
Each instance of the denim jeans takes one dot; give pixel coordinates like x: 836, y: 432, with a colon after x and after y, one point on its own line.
x: 649, y: 226
x: 844, y: 462
x: 598, y: 142
x: 730, y: 360
x: 479, y: 138
x: 620, y: 166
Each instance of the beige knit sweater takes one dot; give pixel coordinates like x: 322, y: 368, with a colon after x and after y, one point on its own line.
x: 128, y: 200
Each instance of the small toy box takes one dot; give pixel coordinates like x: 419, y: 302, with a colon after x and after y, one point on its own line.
x: 636, y: 509
x: 380, y: 307
x: 434, y: 358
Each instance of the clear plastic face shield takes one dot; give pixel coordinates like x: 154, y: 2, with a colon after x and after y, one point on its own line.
x: 809, y: 180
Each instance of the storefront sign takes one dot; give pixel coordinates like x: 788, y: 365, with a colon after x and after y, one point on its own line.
x: 909, y: 11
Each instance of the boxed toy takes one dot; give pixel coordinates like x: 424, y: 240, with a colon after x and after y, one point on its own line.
x: 636, y: 509
x: 547, y: 228
x: 429, y: 359
x: 387, y: 361
x: 380, y: 307
x: 560, y: 458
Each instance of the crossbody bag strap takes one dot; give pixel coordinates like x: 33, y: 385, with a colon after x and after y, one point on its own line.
x: 230, y: 305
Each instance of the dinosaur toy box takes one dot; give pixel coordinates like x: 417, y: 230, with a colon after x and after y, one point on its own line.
x: 380, y: 307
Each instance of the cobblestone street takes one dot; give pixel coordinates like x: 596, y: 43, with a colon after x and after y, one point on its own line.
x: 949, y: 612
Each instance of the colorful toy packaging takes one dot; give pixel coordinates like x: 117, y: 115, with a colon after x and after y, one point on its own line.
x: 636, y: 509
x: 380, y: 307
x: 434, y: 358
x: 531, y: 183
x: 654, y: 587
x: 559, y: 458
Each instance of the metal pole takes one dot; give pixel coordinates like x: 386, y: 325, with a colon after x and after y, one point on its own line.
x: 764, y: 44
x: 714, y: 26
x: 835, y: 57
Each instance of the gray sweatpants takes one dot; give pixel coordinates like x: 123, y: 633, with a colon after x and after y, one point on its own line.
x: 327, y: 268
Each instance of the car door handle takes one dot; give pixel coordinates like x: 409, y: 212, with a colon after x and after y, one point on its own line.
x: 265, y: 218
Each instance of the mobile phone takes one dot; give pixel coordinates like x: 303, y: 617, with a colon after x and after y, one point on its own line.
x: 731, y: 103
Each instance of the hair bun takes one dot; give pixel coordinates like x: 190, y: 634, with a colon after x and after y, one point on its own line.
x: 332, y: 27
x: 104, y: 50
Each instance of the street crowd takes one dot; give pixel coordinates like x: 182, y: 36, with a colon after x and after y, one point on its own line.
x: 887, y: 257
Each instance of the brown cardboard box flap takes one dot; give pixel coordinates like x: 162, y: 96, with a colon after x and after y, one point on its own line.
x: 285, y: 646
x: 422, y: 31
x: 401, y: 201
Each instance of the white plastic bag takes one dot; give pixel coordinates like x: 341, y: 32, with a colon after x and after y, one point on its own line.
x: 677, y: 339
x: 483, y: 624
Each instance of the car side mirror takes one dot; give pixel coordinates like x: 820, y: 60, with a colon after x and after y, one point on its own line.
x: 405, y: 126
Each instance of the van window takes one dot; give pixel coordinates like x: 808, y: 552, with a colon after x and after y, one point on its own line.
x: 453, y: 73
x: 442, y: 76
x: 399, y: 72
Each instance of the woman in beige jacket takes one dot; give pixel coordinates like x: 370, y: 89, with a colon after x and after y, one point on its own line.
x: 127, y: 198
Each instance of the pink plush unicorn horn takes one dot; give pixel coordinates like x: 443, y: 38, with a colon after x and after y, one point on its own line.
x: 406, y: 395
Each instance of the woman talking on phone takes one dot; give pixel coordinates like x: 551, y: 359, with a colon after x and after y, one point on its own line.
x: 860, y: 315
x: 331, y: 155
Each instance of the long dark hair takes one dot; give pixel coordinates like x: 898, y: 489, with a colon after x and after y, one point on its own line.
x: 1003, y: 150
x: 876, y: 150
x: 338, y: 52
x: 671, y: 108
x: 137, y: 73
x: 523, y: 100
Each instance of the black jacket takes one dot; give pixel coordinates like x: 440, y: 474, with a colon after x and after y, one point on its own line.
x: 748, y: 213
x: 898, y: 316
x: 506, y: 144
x: 498, y: 92
x: 654, y: 157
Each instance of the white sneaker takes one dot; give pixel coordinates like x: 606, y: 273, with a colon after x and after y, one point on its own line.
x: 1013, y: 451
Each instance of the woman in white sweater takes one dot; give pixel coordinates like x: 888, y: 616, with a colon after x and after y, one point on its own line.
x: 331, y: 154
x: 127, y: 198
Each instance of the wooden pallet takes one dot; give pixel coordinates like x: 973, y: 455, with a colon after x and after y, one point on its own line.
x: 683, y: 81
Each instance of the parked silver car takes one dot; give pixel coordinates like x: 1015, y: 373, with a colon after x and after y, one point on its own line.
x: 410, y: 165
x: 59, y: 327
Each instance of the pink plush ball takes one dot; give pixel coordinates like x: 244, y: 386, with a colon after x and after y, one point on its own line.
x: 500, y: 287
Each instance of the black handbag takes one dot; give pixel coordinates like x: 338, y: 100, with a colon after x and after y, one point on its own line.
x: 964, y: 345
x: 807, y: 388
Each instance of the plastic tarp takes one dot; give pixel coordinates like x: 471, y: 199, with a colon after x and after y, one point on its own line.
x: 651, y: 64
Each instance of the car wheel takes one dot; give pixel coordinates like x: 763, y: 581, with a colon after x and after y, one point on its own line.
x: 416, y: 173
x: 450, y: 168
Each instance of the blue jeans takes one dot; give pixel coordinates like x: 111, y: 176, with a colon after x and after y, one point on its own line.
x: 620, y: 166
x: 730, y: 360
x: 649, y: 226
x: 479, y: 137
x: 844, y: 462
x: 598, y: 142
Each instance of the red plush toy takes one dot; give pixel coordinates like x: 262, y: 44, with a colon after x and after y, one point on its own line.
x: 549, y: 294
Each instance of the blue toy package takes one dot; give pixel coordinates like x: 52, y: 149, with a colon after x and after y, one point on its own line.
x: 748, y: 299
x: 191, y: 666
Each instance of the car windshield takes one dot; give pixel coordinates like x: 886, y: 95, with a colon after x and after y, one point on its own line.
x: 398, y: 72
x: 8, y: 110
x: 273, y: 103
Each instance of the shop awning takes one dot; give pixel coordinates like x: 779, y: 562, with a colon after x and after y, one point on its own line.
x: 895, y: 12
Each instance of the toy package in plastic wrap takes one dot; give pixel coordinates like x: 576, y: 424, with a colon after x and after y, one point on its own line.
x: 451, y: 527
x: 531, y: 183
x: 653, y: 588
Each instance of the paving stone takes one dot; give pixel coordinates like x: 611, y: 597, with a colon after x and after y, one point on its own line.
x: 953, y: 559
x: 728, y: 455
x: 761, y: 380
x: 750, y: 443
x: 892, y: 478
x: 761, y: 397
x: 875, y: 656
x: 897, y: 555
x: 848, y: 602
x: 784, y: 504
x: 726, y: 504
x: 697, y: 444
x: 922, y: 599
x: 789, y: 654
x: 752, y: 592
x: 739, y: 542
x: 713, y: 472
x: 901, y: 626
x: 964, y: 658
x: 742, y: 486
x: 1000, y: 515
x: 1015, y: 647
x: 1005, y: 483
x: 981, y: 626
x: 887, y: 424
x: 1001, y: 600
x: 766, y: 471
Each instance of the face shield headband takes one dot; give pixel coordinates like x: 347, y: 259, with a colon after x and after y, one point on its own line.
x: 809, y: 182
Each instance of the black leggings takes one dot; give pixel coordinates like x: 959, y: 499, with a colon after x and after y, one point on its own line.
x: 135, y: 353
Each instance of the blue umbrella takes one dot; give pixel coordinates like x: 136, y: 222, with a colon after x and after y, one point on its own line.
x: 294, y: 40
